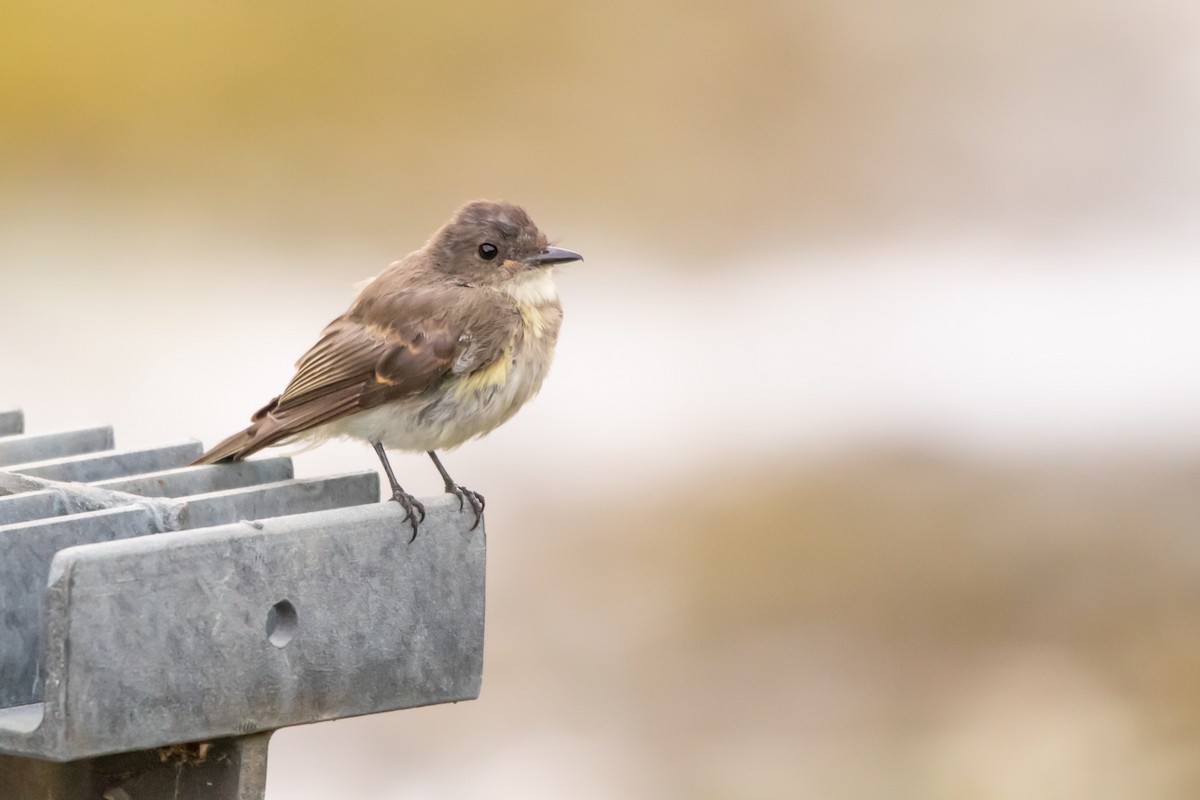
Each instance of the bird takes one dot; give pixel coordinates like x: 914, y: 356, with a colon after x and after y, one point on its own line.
x: 440, y: 348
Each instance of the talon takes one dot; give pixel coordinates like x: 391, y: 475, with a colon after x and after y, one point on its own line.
x: 410, y: 504
x: 402, y: 497
x: 469, y: 496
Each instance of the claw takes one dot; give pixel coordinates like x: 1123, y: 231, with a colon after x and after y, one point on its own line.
x: 402, y: 497
x: 470, y: 496
x: 410, y: 504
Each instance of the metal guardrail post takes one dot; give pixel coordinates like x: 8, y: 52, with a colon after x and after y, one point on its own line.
x: 160, y: 621
x: 233, y: 768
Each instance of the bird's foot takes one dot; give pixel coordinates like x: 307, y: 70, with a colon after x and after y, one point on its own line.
x: 414, y: 511
x: 470, y: 496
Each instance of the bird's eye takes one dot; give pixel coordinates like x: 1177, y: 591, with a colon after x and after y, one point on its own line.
x: 488, y: 251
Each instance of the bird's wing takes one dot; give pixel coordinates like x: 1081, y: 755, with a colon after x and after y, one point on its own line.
x: 407, y: 356
x: 392, y: 346
x: 401, y: 344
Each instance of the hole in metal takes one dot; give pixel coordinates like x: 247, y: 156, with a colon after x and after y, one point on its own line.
x: 281, y: 623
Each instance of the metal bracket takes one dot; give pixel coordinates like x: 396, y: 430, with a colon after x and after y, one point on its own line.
x: 233, y: 768
x: 260, y: 602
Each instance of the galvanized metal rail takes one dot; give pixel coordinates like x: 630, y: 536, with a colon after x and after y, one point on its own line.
x: 159, y: 621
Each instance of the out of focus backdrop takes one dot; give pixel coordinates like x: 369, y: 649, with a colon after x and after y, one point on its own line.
x: 870, y: 463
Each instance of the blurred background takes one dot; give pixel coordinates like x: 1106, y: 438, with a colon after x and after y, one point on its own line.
x: 868, y: 467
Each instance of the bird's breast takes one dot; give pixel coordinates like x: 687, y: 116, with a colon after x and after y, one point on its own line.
x: 469, y: 405
x: 518, y: 373
x: 487, y: 378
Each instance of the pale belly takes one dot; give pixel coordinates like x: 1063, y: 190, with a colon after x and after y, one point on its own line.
x: 463, y: 408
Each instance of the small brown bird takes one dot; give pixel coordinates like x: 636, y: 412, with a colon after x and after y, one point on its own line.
x: 441, y: 347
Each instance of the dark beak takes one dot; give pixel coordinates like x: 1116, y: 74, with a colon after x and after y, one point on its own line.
x: 552, y: 256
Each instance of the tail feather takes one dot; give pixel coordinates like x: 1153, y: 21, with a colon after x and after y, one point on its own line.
x: 272, y: 425
x: 240, y: 445
x: 264, y: 431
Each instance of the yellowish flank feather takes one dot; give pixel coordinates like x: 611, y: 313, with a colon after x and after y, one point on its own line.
x: 492, y: 376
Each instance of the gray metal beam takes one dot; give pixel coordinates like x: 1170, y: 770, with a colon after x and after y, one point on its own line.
x: 59, y: 498
x: 31, y: 505
x: 113, y: 464
x: 22, y: 448
x: 254, y: 626
x: 116, y: 646
x: 26, y: 551
x: 71, y: 498
x: 12, y: 420
x: 234, y: 768
x: 278, y: 499
x: 206, y: 478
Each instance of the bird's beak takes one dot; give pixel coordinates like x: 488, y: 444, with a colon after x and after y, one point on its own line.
x: 552, y: 256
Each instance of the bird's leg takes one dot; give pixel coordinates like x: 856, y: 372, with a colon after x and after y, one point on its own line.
x: 459, y: 491
x: 411, y: 505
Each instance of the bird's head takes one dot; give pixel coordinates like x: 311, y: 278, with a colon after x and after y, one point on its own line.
x: 490, y: 243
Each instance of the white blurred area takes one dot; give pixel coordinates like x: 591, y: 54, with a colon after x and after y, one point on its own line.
x: 979, y: 347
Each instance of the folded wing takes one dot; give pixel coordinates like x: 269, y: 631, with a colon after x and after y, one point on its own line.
x: 359, y: 363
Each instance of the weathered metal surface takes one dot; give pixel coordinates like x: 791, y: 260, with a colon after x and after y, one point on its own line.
x: 278, y: 499
x: 206, y: 478
x: 233, y: 769
x: 69, y: 498
x: 254, y: 626
x: 21, y: 448
x: 115, y: 646
x: 112, y: 464
x: 53, y: 501
x: 12, y: 420
x: 26, y: 550
x: 31, y: 505
x: 205, y: 507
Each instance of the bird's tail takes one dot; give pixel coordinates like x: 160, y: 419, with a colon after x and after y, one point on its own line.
x: 264, y: 431
x: 235, y: 448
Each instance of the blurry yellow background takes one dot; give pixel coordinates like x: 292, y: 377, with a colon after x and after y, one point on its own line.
x: 868, y: 465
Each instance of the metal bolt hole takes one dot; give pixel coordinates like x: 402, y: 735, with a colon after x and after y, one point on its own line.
x: 281, y: 623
